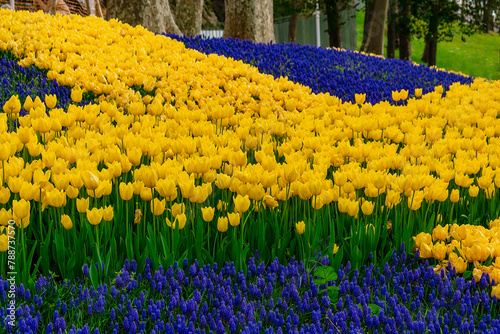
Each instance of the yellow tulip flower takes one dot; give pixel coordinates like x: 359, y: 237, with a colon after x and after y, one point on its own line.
x: 4, y: 243
x: 94, y: 216
x: 495, y: 291
x: 12, y: 106
x: 157, y: 207
x: 150, y: 178
x: 454, y: 196
x: 146, y: 194
x: 107, y: 213
x: 90, y: 180
x: 50, y: 101
x: 300, y: 227
x: 82, y: 205
x: 234, y: 218
x: 66, y: 222
x: 166, y: 188
x: 222, y: 224
x: 76, y: 95
x: 367, y: 208
x: 21, y: 208
x: 208, y: 213
x: 440, y: 233
x: 439, y: 251
x: 241, y: 203
x: 179, y: 221
x: 473, y: 191
x: 178, y: 209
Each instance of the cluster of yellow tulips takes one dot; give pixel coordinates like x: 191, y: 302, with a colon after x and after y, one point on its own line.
x: 463, y: 245
x: 188, y: 133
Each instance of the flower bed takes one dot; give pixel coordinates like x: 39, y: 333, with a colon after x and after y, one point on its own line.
x: 406, y: 295
x: 185, y: 156
x: 341, y: 73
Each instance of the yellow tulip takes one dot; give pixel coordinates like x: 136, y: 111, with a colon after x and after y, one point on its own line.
x: 180, y: 221
x: 367, y: 208
x: 12, y: 106
x: 50, y: 101
x: 289, y: 173
x: 167, y: 188
x: 426, y: 250
x: 335, y: 249
x: 137, y: 108
x: 495, y: 291
x: 134, y: 155
x: 94, y: 216
x: 28, y: 103
x: 4, y: 243
x: 21, y: 208
x: 82, y: 205
x: 440, y: 233
x: 76, y: 95
x: 234, y: 218
x: 150, y: 178
x: 241, y: 203
x: 90, y: 180
x: 4, y: 195
x: 353, y: 208
x: 5, y: 216
x: 458, y: 263
x: 473, y: 191
x: 107, y: 213
x: 208, y: 213
x: 5, y: 151
x: 360, y: 98
x: 395, y: 96
x: 477, y: 274
x: 421, y: 238
x: 270, y: 201
x: 439, y: 251
x: 146, y: 194
x: 15, y: 184
x: 157, y: 207
x: 66, y: 222
x: 454, y: 196
x: 418, y: 92
x: 55, y: 198
x: 300, y: 227
x: 222, y: 224
x: 178, y: 209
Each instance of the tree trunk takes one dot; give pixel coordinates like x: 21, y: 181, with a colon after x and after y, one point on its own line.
x: 292, y: 27
x: 425, y: 55
x: 53, y: 7
x: 188, y: 16
x: 377, y: 28
x: 334, y: 23
x: 488, y: 16
x: 432, y: 38
x: 369, y: 7
x: 154, y: 15
x: 404, y: 29
x: 265, y: 21
x: 391, y: 30
x: 249, y: 20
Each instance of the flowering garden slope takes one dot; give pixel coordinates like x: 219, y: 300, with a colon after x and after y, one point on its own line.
x: 184, y: 156
x: 340, y: 73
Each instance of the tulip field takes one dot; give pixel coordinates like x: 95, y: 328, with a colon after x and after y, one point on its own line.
x: 164, y: 184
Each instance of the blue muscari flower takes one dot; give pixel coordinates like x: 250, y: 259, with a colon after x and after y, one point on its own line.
x: 85, y: 270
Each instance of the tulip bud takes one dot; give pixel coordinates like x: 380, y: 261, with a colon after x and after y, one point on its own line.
x: 300, y: 227
x: 208, y: 214
x: 66, y: 222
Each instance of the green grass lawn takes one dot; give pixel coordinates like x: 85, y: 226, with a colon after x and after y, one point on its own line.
x: 478, y: 56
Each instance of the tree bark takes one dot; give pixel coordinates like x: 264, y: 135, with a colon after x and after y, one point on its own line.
x: 334, y: 23
x: 154, y: 15
x: 249, y: 20
x: 369, y: 7
x: 53, y: 7
x: 188, y: 16
x: 391, y: 30
x: 488, y: 16
x: 292, y: 27
x: 377, y: 28
x: 425, y: 55
x: 265, y: 21
x: 432, y: 38
x: 404, y: 29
